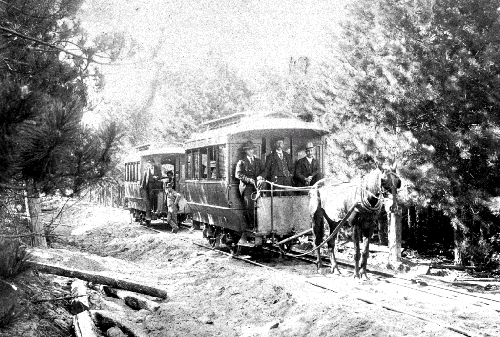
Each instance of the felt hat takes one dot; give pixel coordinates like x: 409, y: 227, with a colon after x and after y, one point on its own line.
x: 309, y: 145
x: 248, y: 145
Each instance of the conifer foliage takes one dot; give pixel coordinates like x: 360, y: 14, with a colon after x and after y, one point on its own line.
x: 429, y: 69
x: 46, y: 66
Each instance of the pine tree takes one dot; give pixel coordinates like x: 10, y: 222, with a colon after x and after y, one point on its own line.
x: 45, y: 67
x: 429, y: 68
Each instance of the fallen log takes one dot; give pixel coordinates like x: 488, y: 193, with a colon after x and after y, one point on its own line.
x: 478, y: 279
x: 99, y: 278
x: 84, y: 326
x: 80, y: 302
x: 133, y: 300
x: 451, y: 266
x: 108, y: 318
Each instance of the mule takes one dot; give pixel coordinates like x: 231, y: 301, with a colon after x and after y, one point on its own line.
x: 361, y: 201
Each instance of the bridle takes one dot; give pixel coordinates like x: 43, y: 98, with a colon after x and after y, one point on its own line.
x: 393, y: 176
x: 365, y: 205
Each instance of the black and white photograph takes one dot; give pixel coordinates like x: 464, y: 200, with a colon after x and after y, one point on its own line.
x: 249, y: 168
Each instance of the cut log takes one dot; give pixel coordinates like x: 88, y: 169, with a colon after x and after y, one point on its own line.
x: 84, y: 327
x: 113, y: 304
x: 108, y: 318
x: 98, y: 278
x: 133, y: 300
x: 81, y: 301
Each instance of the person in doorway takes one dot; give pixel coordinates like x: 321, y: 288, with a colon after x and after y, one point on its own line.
x: 172, y: 200
x: 149, y: 187
x: 307, y: 169
x: 247, y: 170
x: 169, y: 179
x: 278, y: 168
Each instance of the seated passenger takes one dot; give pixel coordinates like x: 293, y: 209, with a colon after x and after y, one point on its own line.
x: 307, y: 169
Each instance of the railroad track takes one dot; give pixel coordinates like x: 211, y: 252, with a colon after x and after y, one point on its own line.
x: 423, y: 285
x: 415, y: 284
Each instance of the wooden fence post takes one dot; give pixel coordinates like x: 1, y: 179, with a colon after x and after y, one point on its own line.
x: 394, y: 233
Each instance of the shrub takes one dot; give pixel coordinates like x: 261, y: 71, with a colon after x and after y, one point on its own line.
x: 481, y: 254
x: 14, y: 258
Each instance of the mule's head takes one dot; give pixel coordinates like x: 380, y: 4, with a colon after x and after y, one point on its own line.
x: 390, y: 181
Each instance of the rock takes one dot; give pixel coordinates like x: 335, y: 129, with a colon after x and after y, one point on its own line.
x: 8, y: 298
x: 205, y: 319
x: 115, y: 332
x: 272, y: 325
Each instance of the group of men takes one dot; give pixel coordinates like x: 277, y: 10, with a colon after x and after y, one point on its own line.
x: 278, y: 169
x: 151, y: 184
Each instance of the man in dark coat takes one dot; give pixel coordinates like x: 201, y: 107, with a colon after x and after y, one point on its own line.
x: 307, y: 169
x: 247, y: 170
x: 149, y: 187
x: 279, y: 166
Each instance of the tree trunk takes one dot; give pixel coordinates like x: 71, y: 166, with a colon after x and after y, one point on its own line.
x: 34, y: 209
x: 457, y: 240
x: 101, y: 279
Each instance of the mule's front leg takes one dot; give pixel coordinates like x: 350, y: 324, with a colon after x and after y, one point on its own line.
x: 367, y: 233
x: 364, y: 256
x: 318, y: 231
x: 355, y: 241
x: 331, y: 246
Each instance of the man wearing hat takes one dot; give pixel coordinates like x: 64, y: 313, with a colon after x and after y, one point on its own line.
x: 279, y: 166
x: 172, y: 200
x: 307, y: 168
x: 247, y: 170
x: 150, y: 187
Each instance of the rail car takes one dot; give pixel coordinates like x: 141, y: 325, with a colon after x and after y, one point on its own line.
x: 212, y: 191
x: 167, y: 158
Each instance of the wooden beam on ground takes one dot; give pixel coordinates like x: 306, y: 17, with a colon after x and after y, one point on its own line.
x: 133, y: 300
x: 101, y: 279
x: 80, y: 302
x: 84, y: 326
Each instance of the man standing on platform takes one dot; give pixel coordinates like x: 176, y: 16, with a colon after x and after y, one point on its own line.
x: 247, y: 170
x: 307, y: 168
x: 149, y: 187
x: 279, y: 166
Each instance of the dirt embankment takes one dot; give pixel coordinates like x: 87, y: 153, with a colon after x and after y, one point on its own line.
x: 211, y: 294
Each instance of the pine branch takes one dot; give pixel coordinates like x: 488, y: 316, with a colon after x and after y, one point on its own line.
x: 13, y: 32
